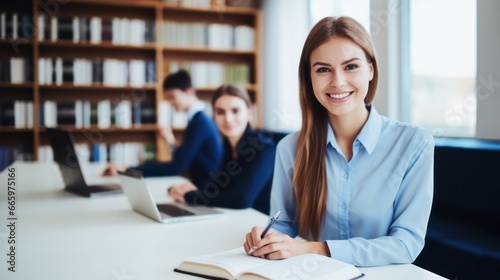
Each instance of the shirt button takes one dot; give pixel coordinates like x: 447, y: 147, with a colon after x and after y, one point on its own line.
x: 345, y: 175
x: 342, y: 206
x: 343, y: 236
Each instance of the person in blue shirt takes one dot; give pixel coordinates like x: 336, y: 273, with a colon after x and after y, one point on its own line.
x: 355, y: 185
x: 246, y: 175
x: 201, y: 149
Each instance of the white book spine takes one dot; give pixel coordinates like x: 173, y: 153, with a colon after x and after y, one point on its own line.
x: 95, y: 30
x: 77, y: 77
x: 29, y: 114
x: 59, y: 71
x: 78, y: 114
x: 41, y: 27
x: 86, y: 114
x: 125, y: 31
x: 53, y: 29
x: 19, y: 114
x: 76, y: 30
x: 50, y: 113
x: 116, y: 33
x: 49, y: 71
x: 104, y: 114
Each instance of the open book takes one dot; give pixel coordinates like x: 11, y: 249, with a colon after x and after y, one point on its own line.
x: 236, y: 264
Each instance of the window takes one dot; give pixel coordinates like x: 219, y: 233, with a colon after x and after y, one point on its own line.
x: 358, y: 9
x: 442, y: 68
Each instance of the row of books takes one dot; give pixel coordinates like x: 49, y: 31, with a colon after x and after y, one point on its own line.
x: 217, y: 3
x: 119, y: 31
x: 18, y: 113
x: 213, y: 35
x: 103, y: 114
x: 85, y: 72
x: 15, y: 26
x: 128, y: 153
x: 213, y: 74
x: 190, y: 3
x: 16, y: 70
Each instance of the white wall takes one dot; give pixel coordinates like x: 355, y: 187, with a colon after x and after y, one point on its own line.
x: 384, y: 30
x: 285, y: 27
x: 488, y: 70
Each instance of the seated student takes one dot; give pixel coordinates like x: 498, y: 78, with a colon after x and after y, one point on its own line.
x: 201, y: 149
x: 246, y: 175
x: 356, y: 185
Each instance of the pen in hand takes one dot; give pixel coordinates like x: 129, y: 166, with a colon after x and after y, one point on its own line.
x: 271, y: 222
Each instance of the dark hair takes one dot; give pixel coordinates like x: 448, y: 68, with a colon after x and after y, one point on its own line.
x: 309, y: 178
x: 232, y: 90
x: 178, y: 80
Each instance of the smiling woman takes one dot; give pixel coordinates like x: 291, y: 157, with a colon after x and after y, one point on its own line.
x: 247, y: 171
x: 352, y: 182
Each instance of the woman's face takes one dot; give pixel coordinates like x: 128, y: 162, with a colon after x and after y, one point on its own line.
x: 340, y: 76
x: 231, y: 115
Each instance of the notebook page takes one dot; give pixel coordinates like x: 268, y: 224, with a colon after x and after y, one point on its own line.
x: 234, y: 261
x: 309, y: 266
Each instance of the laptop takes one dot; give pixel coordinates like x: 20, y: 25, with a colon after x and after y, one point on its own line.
x: 141, y: 200
x: 65, y: 156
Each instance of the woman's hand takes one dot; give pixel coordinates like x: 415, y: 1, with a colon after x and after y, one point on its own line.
x: 178, y: 192
x: 112, y: 168
x: 275, y: 245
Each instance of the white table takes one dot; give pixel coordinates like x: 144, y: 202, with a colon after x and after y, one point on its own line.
x: 63, y: 236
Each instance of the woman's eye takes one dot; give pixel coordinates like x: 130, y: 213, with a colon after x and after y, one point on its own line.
x: 322, y: 70
x: 351, y: 67
x: 219, y: 112
x: 235, y: 111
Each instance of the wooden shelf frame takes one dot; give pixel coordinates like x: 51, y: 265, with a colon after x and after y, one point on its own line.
x: 156, y: 10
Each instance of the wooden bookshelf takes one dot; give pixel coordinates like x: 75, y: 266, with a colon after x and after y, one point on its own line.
x: 163, y: 55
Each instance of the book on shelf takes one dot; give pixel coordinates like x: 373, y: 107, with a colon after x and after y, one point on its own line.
x: 84, y: 114
x: 123, y: 114
x: 213, y: 74
x: 85, y: 72
x: 7, y: 114
x: 15, y: 26
x: 148, y: 113
x: 64, y: 28
x: 18, y: 113
x: 236, y: 264
x: 118, y: 31
x: 216, y: 36
x: 66, y: 113
x: 128, y: 153
x: 16, y: 70
x: 95, y: 30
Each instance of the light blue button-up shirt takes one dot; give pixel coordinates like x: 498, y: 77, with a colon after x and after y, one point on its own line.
x: 378, y: 203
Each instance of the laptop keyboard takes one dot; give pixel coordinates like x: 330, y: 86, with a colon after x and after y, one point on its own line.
x: 173, y: 210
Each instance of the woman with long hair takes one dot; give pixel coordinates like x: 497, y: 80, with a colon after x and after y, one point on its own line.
x: 354, y: 184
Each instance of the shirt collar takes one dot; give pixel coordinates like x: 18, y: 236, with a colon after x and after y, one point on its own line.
x: 197, y: 107
x: 369, y: 134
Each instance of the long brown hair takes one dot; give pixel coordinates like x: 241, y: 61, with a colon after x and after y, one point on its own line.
x: 309, y: 179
